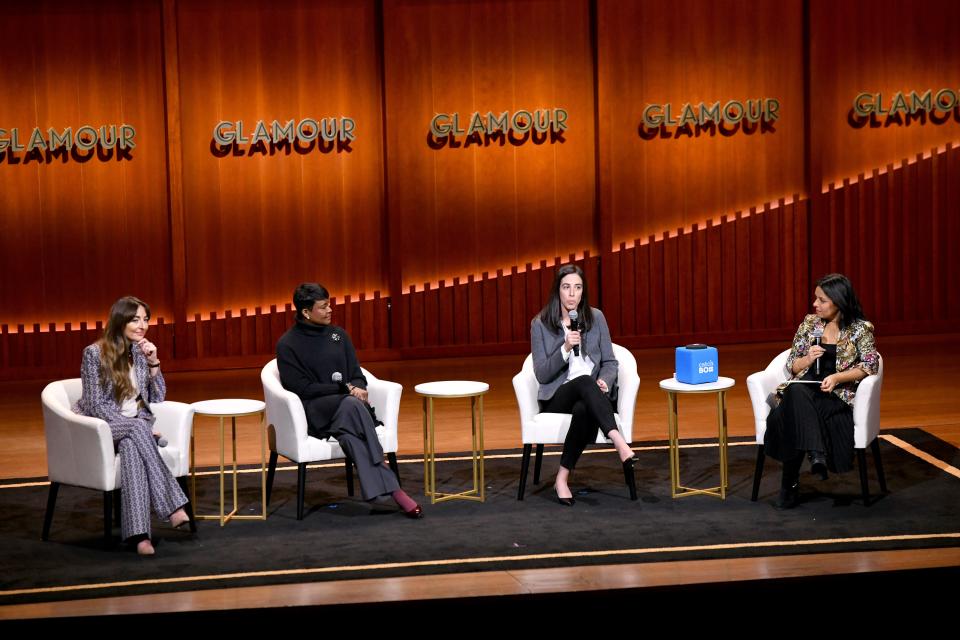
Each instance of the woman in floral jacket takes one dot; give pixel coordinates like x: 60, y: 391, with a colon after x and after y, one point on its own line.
x: 815, y: 414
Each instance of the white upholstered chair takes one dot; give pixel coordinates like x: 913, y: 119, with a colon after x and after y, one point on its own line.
x: 287, y: 424
x: 80, y: 449
x: 551, y: 428
x: 762, y: 387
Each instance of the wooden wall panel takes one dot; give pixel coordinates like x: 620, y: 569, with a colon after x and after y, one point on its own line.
x: 475, y: 208
x: 81, y: 230
x: 688, y: 52
x: 257, y: 224
x: 880, y: 46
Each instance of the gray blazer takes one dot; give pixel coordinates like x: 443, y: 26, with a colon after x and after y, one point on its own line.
x: 98, y: 402
x: 550, y: 367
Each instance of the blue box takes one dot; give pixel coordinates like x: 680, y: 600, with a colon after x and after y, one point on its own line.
x: 697, y: 364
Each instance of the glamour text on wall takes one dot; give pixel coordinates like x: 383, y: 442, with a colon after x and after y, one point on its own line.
x: 303, y: 136
x: 517, y: 127
x: 867, y: 103
x: 81, y: 144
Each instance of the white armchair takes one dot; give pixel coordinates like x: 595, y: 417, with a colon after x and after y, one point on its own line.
x: 762, y: 387
x: 551, y: 428
x: 80, y: 449
x: 287, y: 424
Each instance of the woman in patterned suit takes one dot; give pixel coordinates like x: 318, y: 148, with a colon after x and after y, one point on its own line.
x: 832, y: 352
x: 121, y: 375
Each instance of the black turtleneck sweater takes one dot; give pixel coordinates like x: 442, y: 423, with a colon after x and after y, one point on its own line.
x: 307, y: 356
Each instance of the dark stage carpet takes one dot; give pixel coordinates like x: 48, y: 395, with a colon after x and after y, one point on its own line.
x: 342, y: 538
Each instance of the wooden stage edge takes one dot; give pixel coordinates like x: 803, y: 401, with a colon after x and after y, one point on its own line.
x: 498, y: 583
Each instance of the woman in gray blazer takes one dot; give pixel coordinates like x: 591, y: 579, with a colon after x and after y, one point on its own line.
x: 121, y: 374
x: 577, y: 371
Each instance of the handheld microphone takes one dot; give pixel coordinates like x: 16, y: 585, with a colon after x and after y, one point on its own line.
x: 161, y: 441
x: 575, y: 326
x: 816, y: 334
x: 337, y: 378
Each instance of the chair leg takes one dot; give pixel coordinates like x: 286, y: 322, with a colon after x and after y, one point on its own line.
x: 862, y: 464
x: 117, y: 505
x: 107, y: 517
x: 875, y: 448
x: 758, y: 473
x: 48, y: 515
x: 524, y: 468
x: 348, y: 468
x: 301, y: 487
x: 188, y: 508
x: 271, y: 471
x: 392, y: 460
x: 538, y: 464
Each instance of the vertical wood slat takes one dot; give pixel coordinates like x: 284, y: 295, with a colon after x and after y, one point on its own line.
x: 615, y: 294
x: 474, y: 310
x: 657, y: 320
x: 518, y: 298
x: 802, y: 285
x: 431, y: 315
x: 685, y: 275
x: 882, y: 258
x: 951, y: 204
x: 489, y: 311
x: 771, y: 304
x: 416, y: 318
x: 939, y: 248
x: 728, y: 274
x: 671, y: 284
x: 701, y: 306
x: 756, y: 265
x: 924, y: 232
x: 870, y: 269
x: 446, y: 333
x: 849, y: 244
x: 642, y: 263
x: 908, y: 225
x: 714, y: 274
x: 740, y: 285
x: 624, y: 272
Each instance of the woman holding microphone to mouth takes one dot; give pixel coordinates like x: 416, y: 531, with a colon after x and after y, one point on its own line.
x: 121, y: 375
x: 574, y: 363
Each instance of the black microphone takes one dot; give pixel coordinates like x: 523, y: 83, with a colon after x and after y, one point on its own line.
x: 574, y: 326
x: 816, y: 334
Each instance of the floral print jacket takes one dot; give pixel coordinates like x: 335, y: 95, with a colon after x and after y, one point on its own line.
x: 855, y: 348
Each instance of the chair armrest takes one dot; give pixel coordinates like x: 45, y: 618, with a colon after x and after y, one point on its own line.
x: 629, y: 386
x: 79, y: 450
x: 384, y: 397
x: 525, y: 386
x: 175, y: 423
x: 866, y: 411
x: 762, y: 387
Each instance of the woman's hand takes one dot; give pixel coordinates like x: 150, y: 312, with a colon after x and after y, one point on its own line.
x: 603, y: 386
x: 830, y: 382
x: 572, y: 339
x: 149, y: 350
x: 358, y: 393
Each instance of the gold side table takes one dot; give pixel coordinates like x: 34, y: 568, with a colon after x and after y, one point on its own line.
x: 452, y: 389
x: 673, y: 388
x: 233, y: 409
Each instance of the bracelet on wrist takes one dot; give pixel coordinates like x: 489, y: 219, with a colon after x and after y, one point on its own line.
x: 153, y: 366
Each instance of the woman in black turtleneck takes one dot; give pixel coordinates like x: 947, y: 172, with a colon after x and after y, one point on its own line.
x: 308, y: 356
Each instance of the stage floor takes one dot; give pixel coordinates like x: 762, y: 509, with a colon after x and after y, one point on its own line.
x: 917, y: 392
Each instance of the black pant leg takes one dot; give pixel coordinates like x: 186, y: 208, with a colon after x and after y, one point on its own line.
x: 591, y: 410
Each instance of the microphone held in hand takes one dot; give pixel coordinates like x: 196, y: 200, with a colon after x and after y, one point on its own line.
x: 816, y: 334
x: 575, y: 326
x: 337, y: 378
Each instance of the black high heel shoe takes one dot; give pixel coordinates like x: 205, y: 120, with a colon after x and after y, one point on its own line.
x: 567, y: 502
x: 630, y: 477
x: 789, y: 497
x: 818, y: 464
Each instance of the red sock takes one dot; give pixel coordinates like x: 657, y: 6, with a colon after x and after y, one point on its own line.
x: 406, y: 502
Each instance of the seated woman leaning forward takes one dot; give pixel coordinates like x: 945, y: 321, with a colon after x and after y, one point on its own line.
x: 832, y: 352
x: 121, y: 375
x: 574, y: 363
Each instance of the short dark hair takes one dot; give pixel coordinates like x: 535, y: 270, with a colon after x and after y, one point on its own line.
x: 308, y: 294
x: 839, y: 289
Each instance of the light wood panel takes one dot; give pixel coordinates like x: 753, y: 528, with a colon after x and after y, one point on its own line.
x: 81, y: 229
x: 474, y: 208
x: 258, y: 221
x: 692, y: 52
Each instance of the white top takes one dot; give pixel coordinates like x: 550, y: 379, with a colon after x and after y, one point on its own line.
x: 672, y: 384
x: 228, y: 407
x: 130, y: 407
x: 452, y: 388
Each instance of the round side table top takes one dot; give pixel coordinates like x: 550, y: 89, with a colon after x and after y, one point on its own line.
x: 452, y: 388
x: 228, y: 407
x: 672, y: 384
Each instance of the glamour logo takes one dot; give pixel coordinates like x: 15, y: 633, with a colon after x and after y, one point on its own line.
x: 731, y: 113
x: 867, y: 103
x: 308, y: 131
x: 51, y: 140
x: 522, y: 121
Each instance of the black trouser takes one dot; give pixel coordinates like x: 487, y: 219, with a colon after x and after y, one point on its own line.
x: 591, y: 408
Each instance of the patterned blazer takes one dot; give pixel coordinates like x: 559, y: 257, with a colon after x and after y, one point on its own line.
x: 855, y: 348
x: 98, y: 402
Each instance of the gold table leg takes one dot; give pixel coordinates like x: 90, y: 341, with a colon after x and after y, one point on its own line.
x: 430, y: 460
x: 677, y: 490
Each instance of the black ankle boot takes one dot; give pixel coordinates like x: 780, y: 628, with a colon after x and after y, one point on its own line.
x: 789, y: 497
x: 818, y: 464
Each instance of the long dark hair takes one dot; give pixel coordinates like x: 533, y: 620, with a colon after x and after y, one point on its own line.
x: 838, y: 288
x: 551, y: 313
x: 115, y: 348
